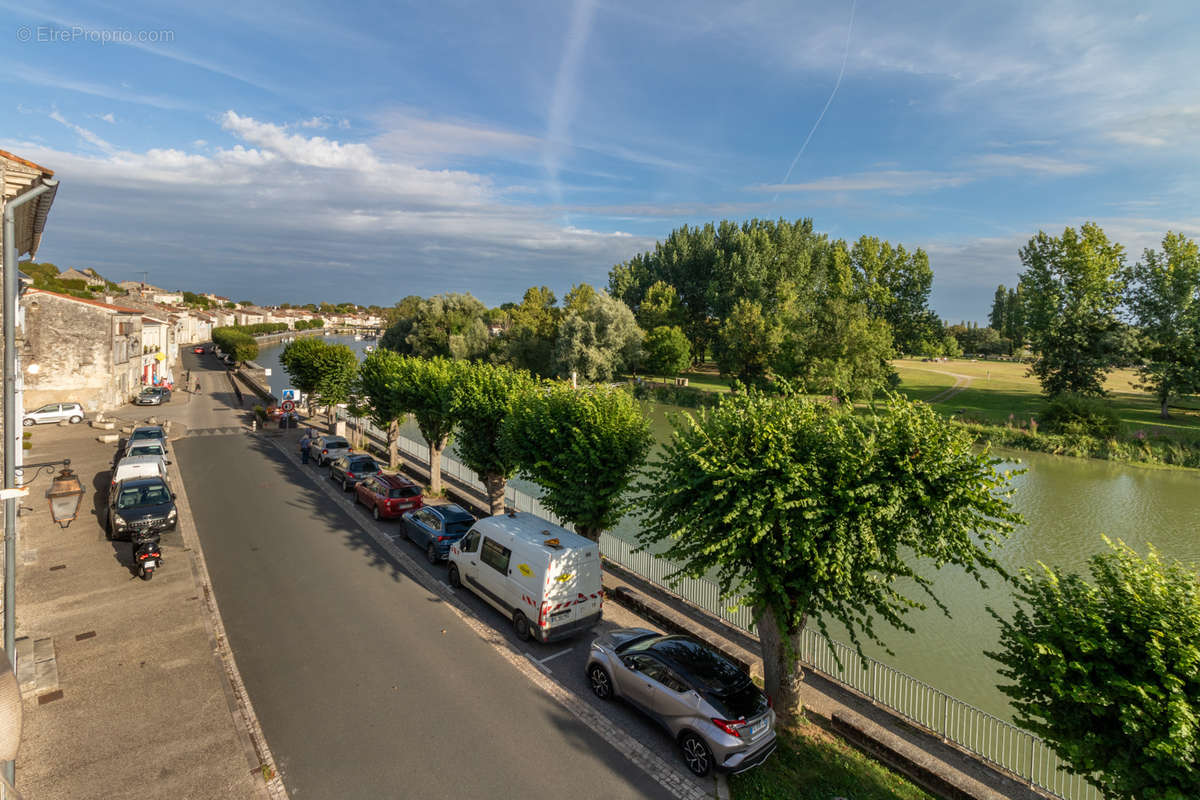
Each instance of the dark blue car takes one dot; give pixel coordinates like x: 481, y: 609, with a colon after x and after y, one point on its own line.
x: 435, y: 528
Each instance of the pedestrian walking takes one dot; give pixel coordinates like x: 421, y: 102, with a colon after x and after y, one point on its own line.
x: 197, y: 387
x: 304, y: 451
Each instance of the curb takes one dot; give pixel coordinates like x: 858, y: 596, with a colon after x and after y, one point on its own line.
x: 254, y: 743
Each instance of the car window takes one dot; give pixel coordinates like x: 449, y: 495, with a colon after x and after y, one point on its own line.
x: 333, y: 443
x: 364, y: 465
x: 703, y: 663
x: 495, y: 555
x: 458, y: 527
x: 470, y: 542
x: 135, y: 496
x: 435, y: 523
x: 405, y: 491
x: 146, y: 450
x: 46, y: 409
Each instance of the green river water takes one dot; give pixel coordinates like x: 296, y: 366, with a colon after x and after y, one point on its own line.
x: 1068, y: 504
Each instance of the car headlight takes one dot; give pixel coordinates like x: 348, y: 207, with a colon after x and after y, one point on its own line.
x: 171, y: 515
x: 119, y: 521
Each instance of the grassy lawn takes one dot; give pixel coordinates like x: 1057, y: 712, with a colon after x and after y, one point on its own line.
x: 811, y: 764
x: 1001, y: 388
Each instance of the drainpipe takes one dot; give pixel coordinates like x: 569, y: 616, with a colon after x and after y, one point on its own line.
x: 12, y: 441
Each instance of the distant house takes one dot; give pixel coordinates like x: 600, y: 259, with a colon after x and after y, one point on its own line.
x: 86, y: 351
x: 89, y: 278
x: 167, y: 298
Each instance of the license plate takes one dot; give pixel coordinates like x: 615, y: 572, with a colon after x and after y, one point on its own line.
x: 755, y: 730
x: 149, y: 563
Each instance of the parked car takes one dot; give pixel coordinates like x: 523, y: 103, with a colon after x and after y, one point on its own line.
x: 435, y: 528
x: 387, y: 495
x: 198, y: 350
x: 545, y: 578
x: 145, y: 447
x: 719, y: 717
x: 324, y: 449
x: 142, y: 504
x: 350, y: 469
x: 138, y: 466
x: 145, y: 434
x: 153, y: 396
x: 54, y: 412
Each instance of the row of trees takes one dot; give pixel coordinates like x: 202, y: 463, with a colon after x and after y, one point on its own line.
x: 1084, y: 310
x: 236, y: 342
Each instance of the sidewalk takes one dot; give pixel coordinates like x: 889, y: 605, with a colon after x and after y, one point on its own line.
x: 129, y: 695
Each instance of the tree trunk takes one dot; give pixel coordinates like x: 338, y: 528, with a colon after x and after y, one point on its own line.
x: 782, y: 674
x: 1165, y: 411
x: 496, y: 485
x: 393, y: 434
x: 588, y: 532
x: 435, y: 466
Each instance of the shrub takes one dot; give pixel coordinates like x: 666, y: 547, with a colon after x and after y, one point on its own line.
x: 1071, y: 413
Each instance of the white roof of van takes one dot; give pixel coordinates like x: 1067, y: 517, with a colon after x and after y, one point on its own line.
x: 133, y: 461
x: 534, y: 529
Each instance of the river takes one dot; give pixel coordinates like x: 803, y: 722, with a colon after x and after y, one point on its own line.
x: 1068, y: 504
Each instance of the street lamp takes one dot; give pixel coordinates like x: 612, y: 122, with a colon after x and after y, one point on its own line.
x: 64, y: 496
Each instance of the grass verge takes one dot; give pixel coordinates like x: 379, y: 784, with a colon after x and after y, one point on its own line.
x: 812, y: 764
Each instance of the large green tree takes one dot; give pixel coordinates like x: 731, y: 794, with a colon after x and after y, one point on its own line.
x: 486, y: 396
x: 428, y: 389
x: 895, y: 285
x: 1108, y: 672
x: 326, y: 372
x: 378, y: 385
x: 1072, y: 287
x: 1164, y: 295
x: 448, y: 325
x: 813, y: 515
x: 667, y: 352
x: 533, y: 329
x: 599, y: 340
x: 748, y: 343
x: 582, y: 447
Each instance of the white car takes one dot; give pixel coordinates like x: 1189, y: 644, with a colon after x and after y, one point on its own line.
x: 54, y: 412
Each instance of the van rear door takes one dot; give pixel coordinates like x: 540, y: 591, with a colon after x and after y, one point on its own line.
x: 573, y: 592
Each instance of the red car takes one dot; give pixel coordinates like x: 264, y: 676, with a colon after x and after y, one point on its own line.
x: 198, y: 351
x: 388, y: 496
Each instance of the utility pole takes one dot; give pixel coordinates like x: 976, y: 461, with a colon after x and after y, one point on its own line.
x: 144, y: 276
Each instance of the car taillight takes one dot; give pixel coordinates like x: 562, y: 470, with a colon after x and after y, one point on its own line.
x: 443, y: 538
x: 730, y: 726
x: 770, y: 702
x: 349, y: 474
x: 325, y: 451
x: 542, y: 614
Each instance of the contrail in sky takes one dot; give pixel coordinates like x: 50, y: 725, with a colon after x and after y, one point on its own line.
x: 562, y: 104
x: 821, y: 116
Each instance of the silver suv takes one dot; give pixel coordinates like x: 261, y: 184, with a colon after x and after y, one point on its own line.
x: 54, y: 412
x: 711, y: 708
x: 324, y: 449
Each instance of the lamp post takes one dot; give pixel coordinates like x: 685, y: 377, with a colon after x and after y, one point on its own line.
x: 64, y: 496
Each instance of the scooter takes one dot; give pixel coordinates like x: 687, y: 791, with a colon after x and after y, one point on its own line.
x: 147, y: 555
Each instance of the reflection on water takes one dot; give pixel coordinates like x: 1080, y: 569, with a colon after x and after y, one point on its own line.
x: 1068, y: 504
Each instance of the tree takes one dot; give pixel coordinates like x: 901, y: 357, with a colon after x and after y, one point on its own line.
x: 378, y: 383
x: 582, y: 447
x: 1106, y: 671
x: 427, y: 387
x: 599, y: 341
x: 326, y: 372
x: 236, y: 342
x: 1072, y: 286
x: 661, y: 307
x: 486, y: 396
x: 812, y: 514
x: 533, y: 328
x: 748, y: 343
x: 895, y: 285
x: 1164, y: 295
x: 667, y: 351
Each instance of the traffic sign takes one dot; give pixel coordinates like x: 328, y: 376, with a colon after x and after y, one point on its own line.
x: 288, y: 406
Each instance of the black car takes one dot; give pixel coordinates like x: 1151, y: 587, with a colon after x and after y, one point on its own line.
x: 145, y: 505
x: 349, y: 470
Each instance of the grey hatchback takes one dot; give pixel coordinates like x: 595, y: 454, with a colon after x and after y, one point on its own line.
x: 708, y: 704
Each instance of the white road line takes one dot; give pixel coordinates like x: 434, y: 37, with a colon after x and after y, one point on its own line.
x: 556, y: 655
x: 539, y: 664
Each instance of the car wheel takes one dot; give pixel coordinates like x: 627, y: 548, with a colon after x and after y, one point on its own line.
x: 696, y: 754
x: 375, y: 513
x: 345, y: 486
x: 521, y: 626
x: 453, y: 578
x: 75, y: 420
x: 431, y: 554
x: 601, y: 683
x: 108, y: 528
x: 28, y: 423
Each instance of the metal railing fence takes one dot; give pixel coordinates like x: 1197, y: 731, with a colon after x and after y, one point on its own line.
x: 985, y: 735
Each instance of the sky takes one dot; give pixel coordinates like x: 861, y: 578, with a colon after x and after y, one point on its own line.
x: 367, y: 151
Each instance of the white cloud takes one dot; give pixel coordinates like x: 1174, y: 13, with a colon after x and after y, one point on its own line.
x: 109, y: 118
x: 1011, y: 162
x: 889, y: 181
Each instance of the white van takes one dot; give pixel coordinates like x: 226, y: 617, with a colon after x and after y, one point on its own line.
x: 545, y: 578
x: 148, y: 466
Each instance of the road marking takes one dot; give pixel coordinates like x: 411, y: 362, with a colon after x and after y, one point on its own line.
x: 538, y: 664
x: 556, y: 655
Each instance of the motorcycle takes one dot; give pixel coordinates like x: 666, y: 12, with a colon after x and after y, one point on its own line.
x: 147, y: 554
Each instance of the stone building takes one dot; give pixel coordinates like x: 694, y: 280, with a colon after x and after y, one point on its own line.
x: 85, y: 351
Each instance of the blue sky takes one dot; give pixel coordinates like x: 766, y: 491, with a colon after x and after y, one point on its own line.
x: 367, y: 151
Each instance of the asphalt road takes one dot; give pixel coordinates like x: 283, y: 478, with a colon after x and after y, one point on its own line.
x: 367, y: 684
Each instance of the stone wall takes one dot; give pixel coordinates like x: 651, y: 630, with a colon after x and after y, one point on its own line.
x: 75, y: 346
